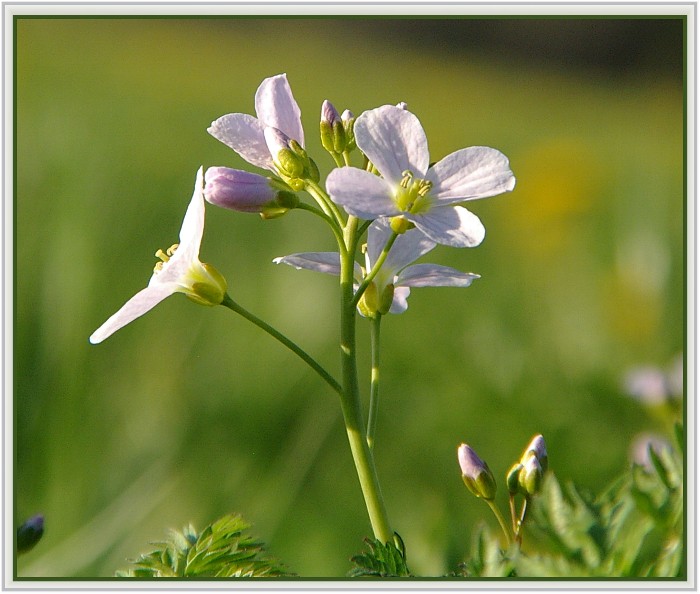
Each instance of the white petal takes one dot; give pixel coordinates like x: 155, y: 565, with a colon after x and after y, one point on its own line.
x: 470, y: 173
x: 434, y: 275
x: 394, y: 140
x: 145, y: 300
x: 190, y: 238
x: 326, y: 262
x: 451, y: 225
x: 276, y: 107
x: 407, y: 248
x: 400, y: 301
x: 361, y: 193
x: 245, y: 135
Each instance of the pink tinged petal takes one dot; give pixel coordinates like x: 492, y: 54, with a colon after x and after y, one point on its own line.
x: 326, y: 262
x: 471, y: 173
x: 407, y: 248
x: 394, y: 140
x: 245, y: 135
x: 434, y: 275
x: 145, y: 300
x: 361, y: 193
x: 400, y: 301
x: 190, y: 239
x: 454, y: 226
x: 237, y: 190
x: 276, y: 107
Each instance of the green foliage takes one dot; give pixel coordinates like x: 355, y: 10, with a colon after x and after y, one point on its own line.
x: 220, y: 550
x: 633, y: 529
x: 382, y: 560
x: 487, y: 559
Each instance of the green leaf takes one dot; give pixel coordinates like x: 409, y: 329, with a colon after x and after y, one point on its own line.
x: 222, y: 549
x: 382, y: 560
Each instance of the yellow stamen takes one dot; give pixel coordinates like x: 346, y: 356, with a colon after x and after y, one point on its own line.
x: 164, y: 256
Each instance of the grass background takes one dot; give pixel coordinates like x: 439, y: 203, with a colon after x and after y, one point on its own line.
x: 190, y: 413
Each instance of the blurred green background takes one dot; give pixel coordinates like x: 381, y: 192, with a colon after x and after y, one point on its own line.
x: 190, y: 413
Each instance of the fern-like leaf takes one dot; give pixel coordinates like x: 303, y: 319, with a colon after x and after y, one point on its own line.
x: 382, y: 560
x: 221, y: 550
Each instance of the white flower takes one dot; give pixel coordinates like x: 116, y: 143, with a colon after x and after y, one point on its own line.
x: 394, y: 141
x: 179, y: 271
x: 276, y: 108
x: 395, y: 272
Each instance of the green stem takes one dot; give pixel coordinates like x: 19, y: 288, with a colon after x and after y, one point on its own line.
x: 311, y: 362
x: 324, y: 201
x: 501, y: 520
x: 350, y: 396
x: 374, y: 380
x: 375, y: 269
x: 337, y: 231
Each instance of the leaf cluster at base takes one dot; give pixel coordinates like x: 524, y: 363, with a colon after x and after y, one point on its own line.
x: 382, y: 560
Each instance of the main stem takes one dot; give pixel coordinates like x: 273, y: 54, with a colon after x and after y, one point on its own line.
x: 350, y: 396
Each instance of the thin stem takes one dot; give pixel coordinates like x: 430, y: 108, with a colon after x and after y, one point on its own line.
x: 375, y: 269
x: 350, y: 396
x: 501, y: 520
x: 336, y: 157
x: 518, y: 532
x: 337, y: 231
x: 513, y: 519
x: 310, y: 361
x: 375, y: 327
x: 324, y: 201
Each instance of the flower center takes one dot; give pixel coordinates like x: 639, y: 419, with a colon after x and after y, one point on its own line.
x: 413, y: 193
x: 164, y: 256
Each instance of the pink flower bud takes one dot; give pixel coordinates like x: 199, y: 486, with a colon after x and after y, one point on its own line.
x: 237, y: 190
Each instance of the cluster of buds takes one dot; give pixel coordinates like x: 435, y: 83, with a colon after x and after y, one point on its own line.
x: 525, y: 476
x: 291, y: 159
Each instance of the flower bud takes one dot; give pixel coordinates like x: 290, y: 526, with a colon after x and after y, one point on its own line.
x: 329, y: 119
x: 402, y: 105
x: 238, y: 190
x: 348, y: 120
x: 287, y: 161
x: 30, y: 533
x: 513, y: 478
x: 537, y: 446
x: 530, y: 476
x: 475, y: 473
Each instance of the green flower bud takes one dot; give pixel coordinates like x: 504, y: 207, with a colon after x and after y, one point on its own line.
x: 513, y: 478
x: 386, y: 299
x: 539, y: 448
x: 530, y: 477
x: 476, y: 474
x: 348, y: 120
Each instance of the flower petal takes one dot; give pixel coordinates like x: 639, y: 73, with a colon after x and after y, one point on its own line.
x: 326, y: 262
x: 452, y: 225
x: 394, y: 140
x: 471, y: 173
x: 400, y: 301
x: 361, y: 193
x: 407, y: 248
x: 245, y: 135
x: 145, y: 300
x: 276, y: 107
x: 434, y: 275
x: 190, y: 238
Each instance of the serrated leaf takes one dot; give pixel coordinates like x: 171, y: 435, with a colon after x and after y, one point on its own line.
x: 220, y: 550
x: 382, y: 560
